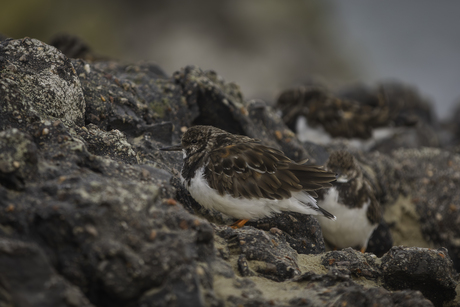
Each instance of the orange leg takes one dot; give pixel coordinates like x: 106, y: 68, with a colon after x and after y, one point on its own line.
x: 363, y: 250
x: 238, y: 224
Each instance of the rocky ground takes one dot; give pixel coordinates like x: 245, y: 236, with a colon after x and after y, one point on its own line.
x: 93, y: 214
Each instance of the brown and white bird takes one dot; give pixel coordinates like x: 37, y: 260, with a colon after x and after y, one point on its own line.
x: 241, y: 177
x: 352, y: 200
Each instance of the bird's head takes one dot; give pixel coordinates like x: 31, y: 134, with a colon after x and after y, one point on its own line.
x: 344, y: 165
x: 195, y: 140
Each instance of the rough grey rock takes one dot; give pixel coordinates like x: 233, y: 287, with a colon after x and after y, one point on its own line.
x: 336, y: 286
x: 116, y: 102
x: 103, y: 220
x: 353, y: 262
x: 93, y: 203
x: 302, y: 232
x: 429, y: 271
x: 261, y: 253
x: 426, y: 270
x: 434, y: 176
x: 28, y: 279
x: 381, y: 240
x: 38, y: 81
x: 18, y: 158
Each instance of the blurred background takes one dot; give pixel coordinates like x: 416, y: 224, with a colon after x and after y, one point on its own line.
x: 266, y: 46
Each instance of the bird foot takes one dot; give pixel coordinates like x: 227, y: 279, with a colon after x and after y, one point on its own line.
x: 238, y: 224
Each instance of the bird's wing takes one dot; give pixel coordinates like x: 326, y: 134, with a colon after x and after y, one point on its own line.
x: 253, y: 170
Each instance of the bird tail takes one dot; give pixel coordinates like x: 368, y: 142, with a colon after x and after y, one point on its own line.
x: 327, y: 214
x: 307, y: 200
x: 312, y: 177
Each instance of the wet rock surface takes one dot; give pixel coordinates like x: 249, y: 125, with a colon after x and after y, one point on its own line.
x: 93, y: 214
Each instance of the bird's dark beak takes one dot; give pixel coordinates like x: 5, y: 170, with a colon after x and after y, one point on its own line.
x: 172, y: 148
x: 341, y: 178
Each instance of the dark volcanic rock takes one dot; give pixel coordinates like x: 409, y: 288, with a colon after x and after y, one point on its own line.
x: 113, y: 238
x: 18, y: 158
x: 264, y: 254
x: 337, y: 286
x: 91, y: 212
x: 102, y: 218
x: 429, y: 271
x: 353, y: 261
x: 37, y: 81
x: 356, y: 296
x: 301, y: 231
x: 28, y: 279
x: 434, y: 176
x: 409, y: 299
x: 381, y: 240
x: 116, y: 102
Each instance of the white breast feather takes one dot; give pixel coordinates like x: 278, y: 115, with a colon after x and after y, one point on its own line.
x: 352, y: 228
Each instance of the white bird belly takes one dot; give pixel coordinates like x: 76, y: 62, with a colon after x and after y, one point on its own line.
x: 352, y: 227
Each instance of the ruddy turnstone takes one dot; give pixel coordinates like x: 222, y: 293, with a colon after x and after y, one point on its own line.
x: 241, y: 177
x: 352, y: 199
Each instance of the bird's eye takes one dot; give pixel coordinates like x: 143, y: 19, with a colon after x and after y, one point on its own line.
x: 194, y: 141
